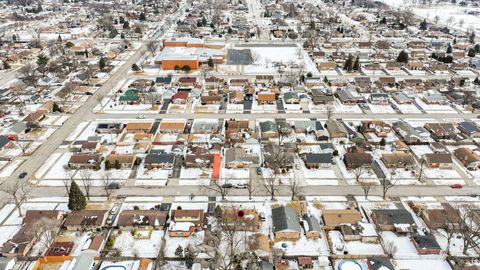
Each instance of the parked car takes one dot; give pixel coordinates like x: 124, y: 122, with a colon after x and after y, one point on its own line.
x: 22, y: 175
x: 141, y: 116
x: 227, y: 185
x: 259, y: 171
x: 242, y: 186
x: 113, y: 185
x: 456, y: 186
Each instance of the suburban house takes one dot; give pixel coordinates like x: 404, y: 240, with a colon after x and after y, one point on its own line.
x: 139, y: 127
x: 126, y: 161
x: 336, y: 129
x: 379, y: 263
x: 266, y: 98
x: 426, y: 244
x: 442, y: 131
x: 107, y: 128
x: 438, y: 160
x: 237, y: 157
x: 317, y: 160
x: 185, y: 222
x: 398, y: 160
x: 332, y: 218
x: 441, y: 218
x: 172, y: 126
x: 268, y: 129
x: 357, y: 157
x: 22, y: 242
x: 85, y: 220
x: 152, y: 219
x: 159, y: 161
x: 241, y: 219
x: 85, y: 161
x: 398, y: 220
x: 468, y: 158
x: 321, y: 96
x: 311, y: 226
x: 285, y: 224
x: 469, y: 128
x: 274, y: 153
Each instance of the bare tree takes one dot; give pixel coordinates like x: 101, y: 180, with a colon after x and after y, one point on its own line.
x: 250, y: 187
x: 227, y: 238
x: 18, y: 191
x: 106, y: 183
x: 271, y: 185
x: 358, y: 172
x: 469, y: 228
x: 388, y: 182
x: 44, y: 232
x: 23, y: 145
x: 221, y: 187
x: 329, y: 111
x: 68, y: 179
x: 85, y: 176
x: 151, y: 47
x: 28, y: 75
x: 295, y: 188
x: 366, y: 187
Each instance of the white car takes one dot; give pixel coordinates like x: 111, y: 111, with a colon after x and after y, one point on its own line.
x: 141, y: 116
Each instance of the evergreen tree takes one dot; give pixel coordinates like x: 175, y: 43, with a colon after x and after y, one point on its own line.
x: 6, y: 65
x: 356, y: 64
x: 138, y: 30
x: 113, y: 33
x: 42, y: 60
x: 122, y: 20
x: 423, y: 25
x: 179, y: 251
x: 142, y: 17
x: 454, y: 41
x: 135, y: 67
x: 383, y: 142
x: 76, y: 199
x: 348, y: 66
x: 449, y: 48
x: 59, y: 39
x: 402, y: 57
x: 210, y: 63
x: 101, y: 63
x: 471, y: 38
x: 471, y: 53
x: 477, y: 48
x: 126, y: 25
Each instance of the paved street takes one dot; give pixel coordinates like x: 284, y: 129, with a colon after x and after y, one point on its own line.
x: 396, y: 191
x: 253, y: 116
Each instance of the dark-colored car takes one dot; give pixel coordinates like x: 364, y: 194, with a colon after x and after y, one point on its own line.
x: 259, y: 171
x: 227, y: 185
x: 113, y: 185
x: 22, y: 175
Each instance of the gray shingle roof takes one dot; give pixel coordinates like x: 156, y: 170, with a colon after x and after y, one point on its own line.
x: 285, y: 219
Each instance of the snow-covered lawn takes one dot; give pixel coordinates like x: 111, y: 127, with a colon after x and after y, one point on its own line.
x: 381, y: 108
x: 174, y: 242
x: 145, y: 248
x: 399, y: 246
x: 304, y: 247
x: 339, y: 246
x: 11, y: 167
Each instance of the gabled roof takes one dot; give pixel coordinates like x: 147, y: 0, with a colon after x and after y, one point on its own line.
x: 285, y: 219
